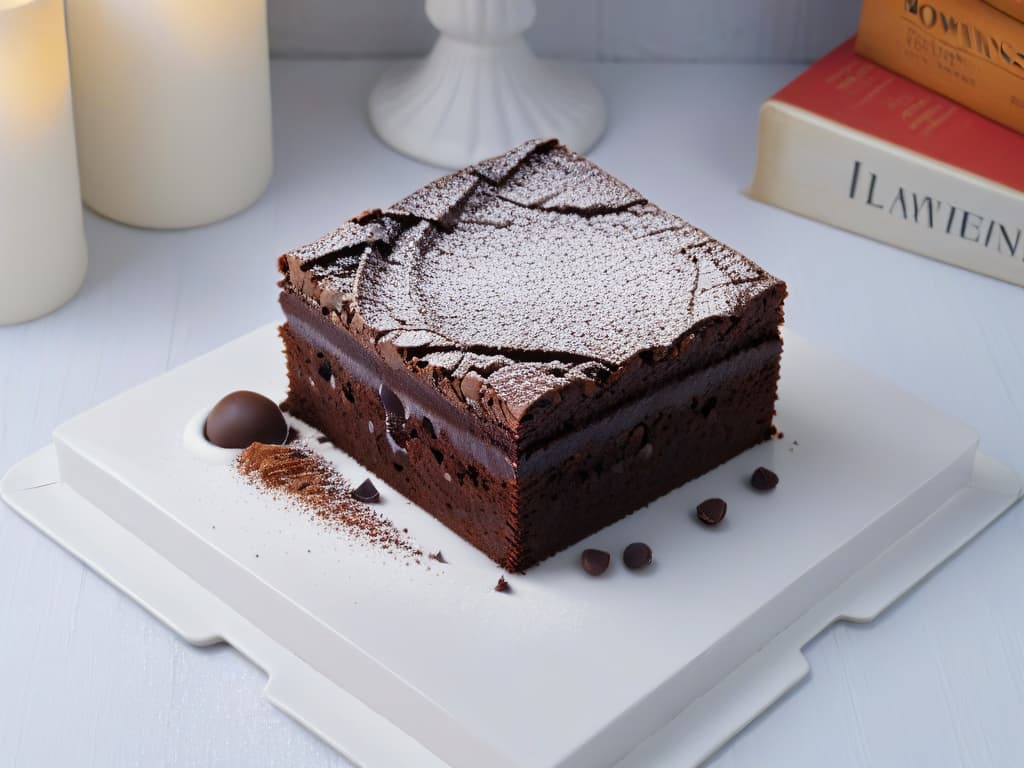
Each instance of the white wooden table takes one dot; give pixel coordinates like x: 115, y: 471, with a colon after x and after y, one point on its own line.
x: 89, y: 679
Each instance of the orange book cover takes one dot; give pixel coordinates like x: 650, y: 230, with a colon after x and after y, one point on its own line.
x: 964, y: 49
x: 1013, y: 7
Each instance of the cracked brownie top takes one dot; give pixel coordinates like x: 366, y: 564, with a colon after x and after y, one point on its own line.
x: 531, y: 276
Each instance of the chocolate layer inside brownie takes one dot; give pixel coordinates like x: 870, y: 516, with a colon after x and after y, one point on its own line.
x: 530, y: 350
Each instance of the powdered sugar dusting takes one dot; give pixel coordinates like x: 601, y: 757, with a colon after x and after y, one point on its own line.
x: 530, y: 270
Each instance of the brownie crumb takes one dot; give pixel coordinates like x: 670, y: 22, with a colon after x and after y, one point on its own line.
x: 502, y: 585
x: 711, y: 511
x: 323, y: 439
x: 309, y: 479
x: 764, y: 479
x: 437, y: 556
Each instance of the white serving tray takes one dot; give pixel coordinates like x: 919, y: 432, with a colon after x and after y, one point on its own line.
x: 396, y: 663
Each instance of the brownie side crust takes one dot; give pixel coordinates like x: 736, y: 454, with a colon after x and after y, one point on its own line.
x: 520, y: 517
x: 431, y: 469
x: 489, y: 448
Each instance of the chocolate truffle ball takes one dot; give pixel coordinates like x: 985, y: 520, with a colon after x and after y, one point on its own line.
x: 243, y: 418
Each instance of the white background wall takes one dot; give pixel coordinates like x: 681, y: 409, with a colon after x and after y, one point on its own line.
x: 708, y: 30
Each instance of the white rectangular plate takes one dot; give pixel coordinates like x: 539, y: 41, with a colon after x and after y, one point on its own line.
x: 393, y: 661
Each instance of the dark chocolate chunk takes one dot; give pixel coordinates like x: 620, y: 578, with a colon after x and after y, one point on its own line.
x: 394, y: 414
x: 764, y: 479
x: 595, y: 561
x: 243, y: 418
x: 502, y: 585
x: 437, y: 556
x: 637, y: 555
x: 394, y: 409
x: 711, y: 511
x: 366, y: 492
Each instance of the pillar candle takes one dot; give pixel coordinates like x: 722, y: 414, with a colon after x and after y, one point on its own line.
x: 172, y: 107
x: 42, y: 242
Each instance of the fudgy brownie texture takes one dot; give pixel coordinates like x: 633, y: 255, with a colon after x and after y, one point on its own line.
x: 530, y: 350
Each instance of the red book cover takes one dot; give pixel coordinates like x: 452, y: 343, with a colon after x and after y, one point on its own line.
x: 853, y: 91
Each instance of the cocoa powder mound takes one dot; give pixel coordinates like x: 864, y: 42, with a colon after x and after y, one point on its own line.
x: 314, y: 483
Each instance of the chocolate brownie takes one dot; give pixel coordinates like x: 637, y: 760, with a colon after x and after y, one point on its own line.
x: 530, y: 350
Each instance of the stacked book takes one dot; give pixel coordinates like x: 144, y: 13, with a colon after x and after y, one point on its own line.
x: 911, y: 134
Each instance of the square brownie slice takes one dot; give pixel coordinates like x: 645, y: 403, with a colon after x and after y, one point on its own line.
x: 530, y: 350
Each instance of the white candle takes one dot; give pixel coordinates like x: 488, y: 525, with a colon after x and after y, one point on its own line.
x: 172, y: 107
x: 42, y: 242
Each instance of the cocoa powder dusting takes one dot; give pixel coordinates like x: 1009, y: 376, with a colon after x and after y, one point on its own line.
x: 318, y: 487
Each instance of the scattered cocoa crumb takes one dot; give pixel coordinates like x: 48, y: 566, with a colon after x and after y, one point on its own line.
x: 323, y: 439
x: 782, y: 435
x: 437, y: 556
x: 502, y: 585
x: 319, y: 488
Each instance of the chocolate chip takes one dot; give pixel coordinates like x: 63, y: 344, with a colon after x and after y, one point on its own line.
x: 437, y: 556
x: 711, y: 511
x: 595, y: 561
x: 764, y: 479
x: 393, y: 406
x: 394, y: 414
x: 367, y: 492
x: 502, y: 585
x: 243, y: 418
x: 637, y: 437
x: 637, y: 555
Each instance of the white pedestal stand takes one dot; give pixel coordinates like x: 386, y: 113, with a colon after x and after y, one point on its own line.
x: 481, y: 90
